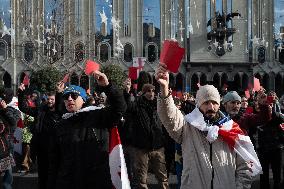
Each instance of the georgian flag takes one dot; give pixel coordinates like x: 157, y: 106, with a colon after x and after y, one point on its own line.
x: 118, y: 170
x: 19, y: 129
x: 139, y: 62
x: 232, y: 134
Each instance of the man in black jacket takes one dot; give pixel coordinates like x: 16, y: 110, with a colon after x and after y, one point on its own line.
x: 147, y: 139
x: 46, y: 117
x: 77, y: 158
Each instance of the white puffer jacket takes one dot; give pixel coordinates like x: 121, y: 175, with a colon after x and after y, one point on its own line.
x: 230, y: 170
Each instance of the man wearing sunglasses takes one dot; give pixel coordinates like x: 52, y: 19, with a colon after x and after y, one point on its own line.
x: 77, y: 158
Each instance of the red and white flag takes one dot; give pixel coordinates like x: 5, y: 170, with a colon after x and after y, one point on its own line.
x: 242, y: 145
x: 118, y: 170
x: 139, y: 62
x: 232, y: 134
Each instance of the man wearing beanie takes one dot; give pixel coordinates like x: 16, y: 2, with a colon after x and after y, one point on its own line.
x: 77, y: 158
x: 208, y: 161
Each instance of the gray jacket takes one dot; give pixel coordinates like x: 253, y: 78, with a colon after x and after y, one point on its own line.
x: 203, y: 162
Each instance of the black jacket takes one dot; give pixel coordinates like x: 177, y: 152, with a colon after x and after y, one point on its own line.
x: 9, y: 118
x: 77, y: 159
x: 44, y: 124
x: 147, y: 132
x: 270, y: 135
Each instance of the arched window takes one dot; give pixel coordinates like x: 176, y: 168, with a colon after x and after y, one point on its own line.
x: 3, y: 50
x: 79, y: 52
x: 128, y: 52
x: 203, y: 79
x: 179, y: 82
x: 7, y: 80
x: 216, y: 80
x: 28, y: 52
x: 152, y: 53
x: 104, y: 52
x: 194, y: 81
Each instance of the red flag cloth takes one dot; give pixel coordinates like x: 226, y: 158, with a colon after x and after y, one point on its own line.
x: 247, y: 94
x: 171, y: 55
x: 133, y: 73
x: 91, y: 66
x: 256, y: 84
x: 249, y: 110
x: 118, y: 170
x: 66, y: 78
x: 135, y: 86
x: 26, y: 80
x: 232, y: 134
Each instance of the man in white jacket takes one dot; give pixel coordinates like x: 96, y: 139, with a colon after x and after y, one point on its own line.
x: 208, y: 161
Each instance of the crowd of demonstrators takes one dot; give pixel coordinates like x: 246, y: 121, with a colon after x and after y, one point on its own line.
x: 70, y: 135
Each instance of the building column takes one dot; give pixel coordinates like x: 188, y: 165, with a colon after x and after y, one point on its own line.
x: 139, y: 38
x: 255, y: 26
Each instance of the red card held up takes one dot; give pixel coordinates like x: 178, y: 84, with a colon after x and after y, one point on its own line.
x: 26, y: 80
x: 133, y: 73
x: 256, y: 84
x: 91, y: 66
x: 247, y: 94
x: 171, y: 55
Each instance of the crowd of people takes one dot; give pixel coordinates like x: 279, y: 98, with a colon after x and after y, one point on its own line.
x: 65, y: 134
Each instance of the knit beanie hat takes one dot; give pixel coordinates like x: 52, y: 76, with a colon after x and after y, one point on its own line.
x: 76, y: 89
x: 231, y: 96
x: 206, y: 93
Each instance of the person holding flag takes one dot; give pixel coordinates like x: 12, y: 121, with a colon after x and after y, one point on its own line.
x: 216, y: 153
x: 77, y: 158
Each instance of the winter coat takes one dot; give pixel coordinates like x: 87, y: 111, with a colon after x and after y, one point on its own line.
x: 147, y: 132
x: 8, y: 123
x: 270, y: 135
x: 77, y: 158
x: 203, y: 162
x: 44, y: 124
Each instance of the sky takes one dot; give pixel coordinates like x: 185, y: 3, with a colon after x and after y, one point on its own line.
x: 4, y: 12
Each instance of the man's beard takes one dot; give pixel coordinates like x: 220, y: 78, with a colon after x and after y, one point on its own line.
x: 210, y: 115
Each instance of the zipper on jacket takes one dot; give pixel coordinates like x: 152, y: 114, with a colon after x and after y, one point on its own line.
x: 212, y: 172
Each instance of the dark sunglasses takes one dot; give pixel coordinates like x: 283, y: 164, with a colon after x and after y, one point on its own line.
x: 74, y: 96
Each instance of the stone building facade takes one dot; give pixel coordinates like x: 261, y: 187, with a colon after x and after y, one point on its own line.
x: 229, y: 51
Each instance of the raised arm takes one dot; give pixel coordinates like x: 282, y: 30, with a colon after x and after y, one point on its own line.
x: 170, y: 116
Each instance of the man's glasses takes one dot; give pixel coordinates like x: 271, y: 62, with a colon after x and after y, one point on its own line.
x: 151, y: 90
x: 74, y: 96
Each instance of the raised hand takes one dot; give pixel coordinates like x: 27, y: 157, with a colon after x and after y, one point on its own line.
x: 22, y: 87
x: 101, y: 78
x: 162, y: 77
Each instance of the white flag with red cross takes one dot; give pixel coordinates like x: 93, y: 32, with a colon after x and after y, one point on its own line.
x: 139, y: 62
x: 118, y: 170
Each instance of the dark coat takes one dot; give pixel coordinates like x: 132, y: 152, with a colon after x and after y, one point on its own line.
x: 147, y: 132
x: 77, y: 159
